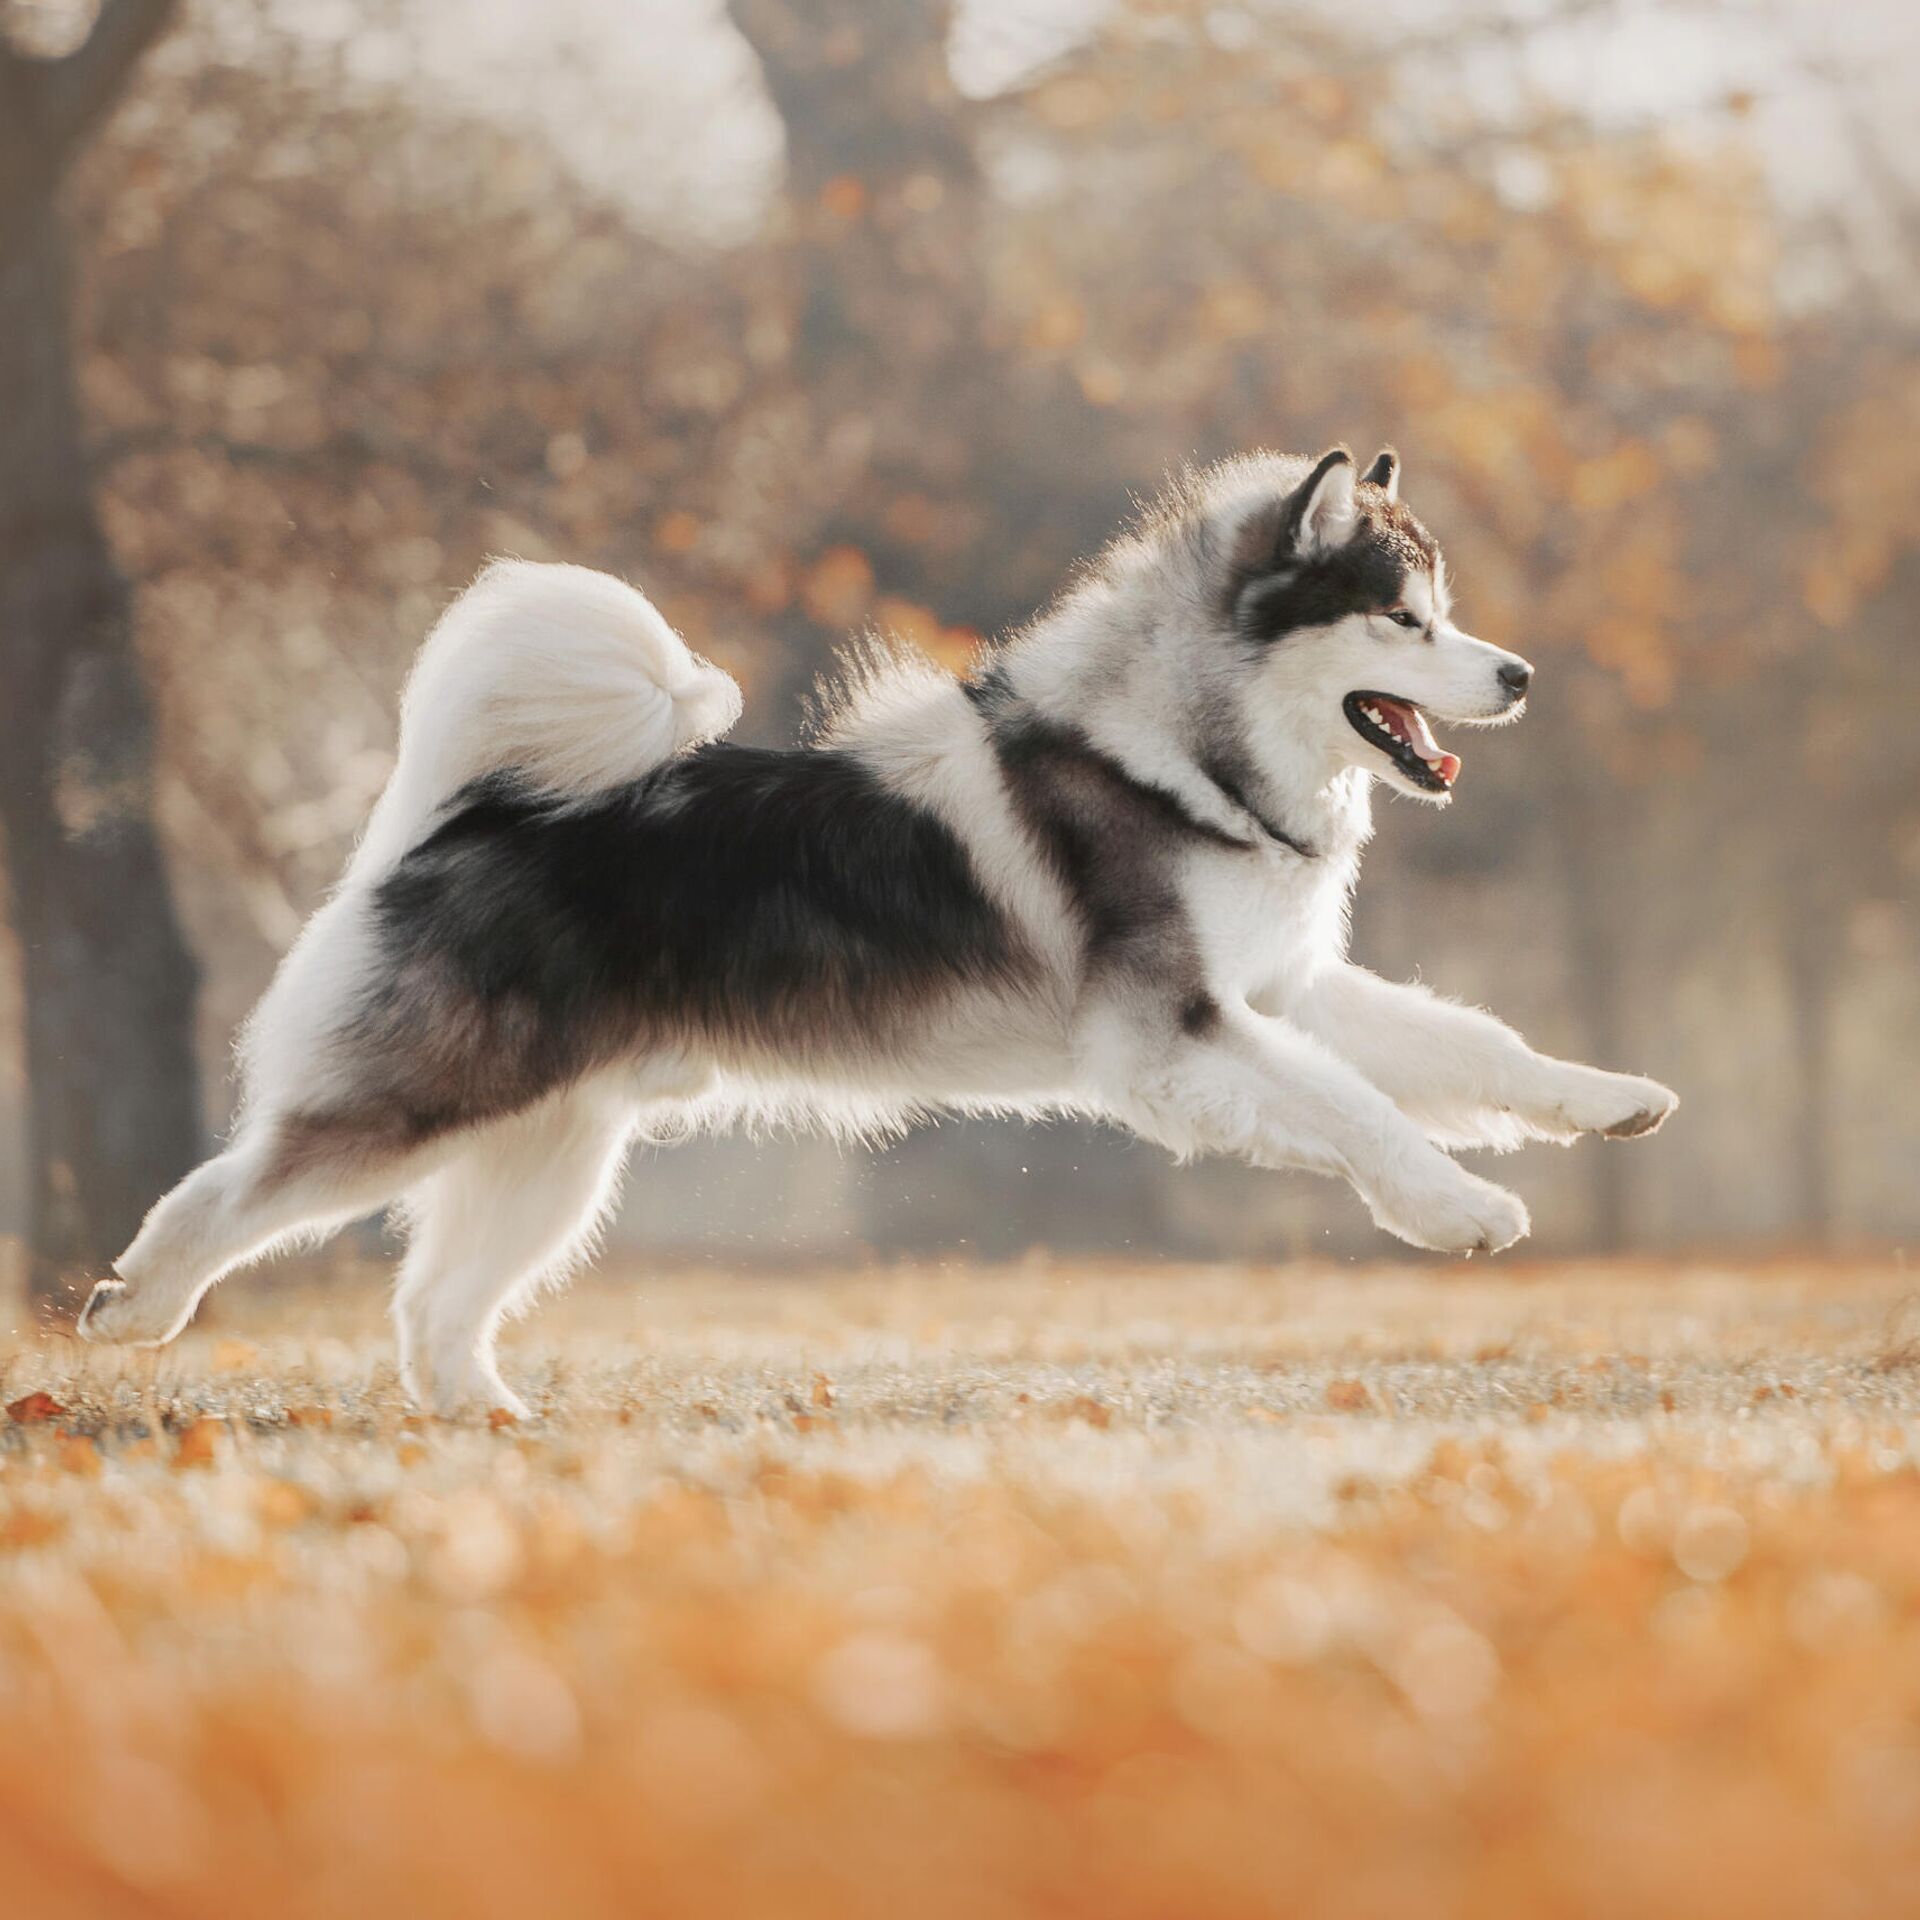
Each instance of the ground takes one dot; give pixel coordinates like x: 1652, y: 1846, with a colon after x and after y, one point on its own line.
x: 1467, y: 1591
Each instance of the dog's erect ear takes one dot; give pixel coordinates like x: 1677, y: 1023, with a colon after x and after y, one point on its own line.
x: 1321, y: 513
x: 1385, y: 473
x: 1316, y: 516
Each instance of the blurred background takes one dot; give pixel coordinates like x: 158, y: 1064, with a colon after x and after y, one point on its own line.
x: 815, y: 314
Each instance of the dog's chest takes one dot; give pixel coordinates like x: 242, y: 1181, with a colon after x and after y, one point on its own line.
x: 1270, y: 919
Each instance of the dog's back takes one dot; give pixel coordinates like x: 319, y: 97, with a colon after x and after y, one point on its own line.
x: 753, y: 907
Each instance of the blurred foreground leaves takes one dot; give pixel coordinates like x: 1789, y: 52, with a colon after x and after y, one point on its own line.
x: 1593, y: 1592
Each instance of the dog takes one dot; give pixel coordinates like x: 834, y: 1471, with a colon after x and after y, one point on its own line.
x: 1107, y: 873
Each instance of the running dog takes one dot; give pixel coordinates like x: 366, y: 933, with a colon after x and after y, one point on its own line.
x: 1106, y: 874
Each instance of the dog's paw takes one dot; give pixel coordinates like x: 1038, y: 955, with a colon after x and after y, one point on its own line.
x: 1458, y: 1213
x: 1652, y: 1106
x: 493, y: 1404
x: 118, y: 1314
x: 466, y: 1388
x: 1617, y: 1106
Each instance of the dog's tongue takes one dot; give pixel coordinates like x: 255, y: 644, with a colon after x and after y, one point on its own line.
x: 1411, y: 725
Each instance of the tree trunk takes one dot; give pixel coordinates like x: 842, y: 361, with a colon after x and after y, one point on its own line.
x: 113, y: 1095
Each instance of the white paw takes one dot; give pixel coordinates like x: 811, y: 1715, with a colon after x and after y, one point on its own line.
x: 463, y: 1387
x: 118, y: 1314
x: 493, y: 1402
x: 1620, y: 1106
x: 1456, y: 1213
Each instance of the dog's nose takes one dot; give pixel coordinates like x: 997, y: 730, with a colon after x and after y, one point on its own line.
x: 1516, y: 676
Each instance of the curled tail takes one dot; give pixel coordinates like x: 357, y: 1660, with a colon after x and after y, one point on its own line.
x: 567, y: 677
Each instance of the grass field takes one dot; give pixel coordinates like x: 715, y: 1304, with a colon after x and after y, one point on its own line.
x: 1586, y: 1591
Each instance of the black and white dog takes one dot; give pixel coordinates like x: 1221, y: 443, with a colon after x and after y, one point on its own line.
x: 1108, y: 874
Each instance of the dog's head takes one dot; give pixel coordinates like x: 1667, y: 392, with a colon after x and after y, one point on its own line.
x: 1337, y: 618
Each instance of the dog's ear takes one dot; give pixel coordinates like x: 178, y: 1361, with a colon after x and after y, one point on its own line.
x: 1385, y: 473
x: 1321, y: 513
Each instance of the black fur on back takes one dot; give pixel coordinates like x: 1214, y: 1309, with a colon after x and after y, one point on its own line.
x: 742, y: 899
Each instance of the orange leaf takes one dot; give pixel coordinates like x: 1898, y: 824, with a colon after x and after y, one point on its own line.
x: 25, y: 1526
x: 844, y: 196
x: 33, y: 1407
x: 676, y: 532
x: 283, y: 1504
x: 197, y: 1444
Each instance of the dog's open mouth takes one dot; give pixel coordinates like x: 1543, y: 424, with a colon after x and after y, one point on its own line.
x: 1399, y: 729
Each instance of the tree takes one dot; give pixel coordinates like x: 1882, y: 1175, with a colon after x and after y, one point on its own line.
x: 113, y: 1092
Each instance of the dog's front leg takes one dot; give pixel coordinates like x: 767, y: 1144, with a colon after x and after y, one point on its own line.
x: 1466, y: 1077
x: 1227, y: 1080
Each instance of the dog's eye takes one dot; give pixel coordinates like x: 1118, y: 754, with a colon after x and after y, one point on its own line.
x: 1402, y: 618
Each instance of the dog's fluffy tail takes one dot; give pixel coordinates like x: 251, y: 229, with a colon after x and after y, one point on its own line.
x: 566, y: 677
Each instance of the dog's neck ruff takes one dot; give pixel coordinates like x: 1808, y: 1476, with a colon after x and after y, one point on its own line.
x: 1261, y: 826
x: 1250, y: 832
x: 1202, y: 800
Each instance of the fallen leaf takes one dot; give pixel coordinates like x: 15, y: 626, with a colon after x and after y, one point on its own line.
x: 197, y: 1444
x: 283, y: 1504
x: 25, y: 1526
x: 31, y: 1408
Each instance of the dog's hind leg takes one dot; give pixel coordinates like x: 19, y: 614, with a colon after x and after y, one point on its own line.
x: 518, y: 1206
x: 285, y: 1177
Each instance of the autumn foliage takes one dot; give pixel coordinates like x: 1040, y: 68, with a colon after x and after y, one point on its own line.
x: 1126, y: 1594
